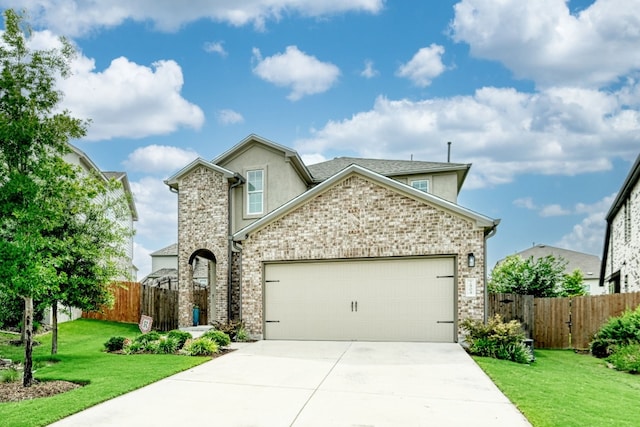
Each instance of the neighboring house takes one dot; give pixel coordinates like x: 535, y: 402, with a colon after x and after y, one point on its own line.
x: 164, y: 267
x: 588, y: 264
x: 348, y: 249
x: 621, y: 255
x: 79, y: 158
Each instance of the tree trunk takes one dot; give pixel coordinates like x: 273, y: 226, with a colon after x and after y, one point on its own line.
x: 54, y: 325
x: 22, y: 328
x: 28, y: 342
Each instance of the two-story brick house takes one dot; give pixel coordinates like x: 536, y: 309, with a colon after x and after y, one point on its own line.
x: 345, y: 249
x: 621, y: 256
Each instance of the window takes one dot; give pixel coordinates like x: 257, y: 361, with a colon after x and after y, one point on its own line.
x: 421, y: 184
x: 255, y: 192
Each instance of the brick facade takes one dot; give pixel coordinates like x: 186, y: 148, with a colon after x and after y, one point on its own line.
x: 624, y: 243
x: 358, y: 218
x: 202, y: 226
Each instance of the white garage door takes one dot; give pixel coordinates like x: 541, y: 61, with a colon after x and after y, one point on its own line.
x: 377, y: 300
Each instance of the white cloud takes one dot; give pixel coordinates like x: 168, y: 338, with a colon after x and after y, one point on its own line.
x: 543, y: 41
x: 75, y: 17
x: 368, y: 71
x: 501, y: 131
x: 425, y: 65
x: 229, y: 117
x: 525, y: 202
x: 157, y: 209
x: 588, y: 235
x: 141, y: 259
x: 215, y: 47
x: 159, y: 159
x: 128, y: 99
x: 303, y: 73
x: 312, y: 159
x: 553, y: 210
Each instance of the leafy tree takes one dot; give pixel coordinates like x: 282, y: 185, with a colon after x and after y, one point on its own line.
x: 572, y: 284
x: 46, y: 220
x: 540, y: 278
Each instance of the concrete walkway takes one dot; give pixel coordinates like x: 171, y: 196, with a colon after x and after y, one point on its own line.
x: 302, y: 383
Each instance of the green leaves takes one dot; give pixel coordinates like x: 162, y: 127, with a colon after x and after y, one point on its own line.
x: 540, y: 278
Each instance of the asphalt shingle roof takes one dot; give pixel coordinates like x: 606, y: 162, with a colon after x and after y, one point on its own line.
x: 324, y: 170
x: 575, y: 260
x: 168, y: 251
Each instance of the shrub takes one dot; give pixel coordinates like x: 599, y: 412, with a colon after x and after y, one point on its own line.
x: 167, y: 345
x: 201, y: 347
x: 617, y: 332
x: 180, y: 336
x: 133, y: 348
x: 230, y: 328
x: 497, y: 339
x: 242, y: 335
x: 626, y: 358
x: 114, y: 344
x: 219, y: 337
x: 148, y: 337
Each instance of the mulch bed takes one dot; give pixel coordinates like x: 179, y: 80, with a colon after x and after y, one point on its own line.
x: 15, y: 392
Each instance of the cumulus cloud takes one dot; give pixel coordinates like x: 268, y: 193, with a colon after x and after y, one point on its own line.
x: 304, y: 74
x: 525, y: 202
x: 159, y: 159
x: 543, y: 41
x: 368, y: 71
x: 588, y: 235
x: 75, y: 17
x: 553, y: 210
x: 425, y: 65
x: 157, y: 207
x: 229, y: 117
x: 142, y: 259
x: 129, y: 100
x: 501, y: 131
x: 215, y: 47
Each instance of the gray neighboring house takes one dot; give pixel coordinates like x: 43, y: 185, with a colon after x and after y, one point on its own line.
x: 348, y: 249
x: 588, y: 264
x: 621, y: 256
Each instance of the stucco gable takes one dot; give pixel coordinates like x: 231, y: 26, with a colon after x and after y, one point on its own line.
x: 355, y: 170
x: 252, y: 140
x: 174, y: 180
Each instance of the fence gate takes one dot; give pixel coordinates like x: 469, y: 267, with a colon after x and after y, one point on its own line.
x: 162, y: 306
x: 514, y: 307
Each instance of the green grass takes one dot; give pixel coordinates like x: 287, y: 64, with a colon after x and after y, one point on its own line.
x: 562, y: 388
x: 81, y: 359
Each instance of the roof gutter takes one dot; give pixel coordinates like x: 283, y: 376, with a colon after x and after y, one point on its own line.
x: 492, y: 232
x: 239, y: 181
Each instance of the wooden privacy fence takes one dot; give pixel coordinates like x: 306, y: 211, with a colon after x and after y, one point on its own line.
x: 126, y: 307
x: 162, y: 306
x: 562, y: 322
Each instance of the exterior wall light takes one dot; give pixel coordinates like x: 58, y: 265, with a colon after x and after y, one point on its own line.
x: 471, y: 260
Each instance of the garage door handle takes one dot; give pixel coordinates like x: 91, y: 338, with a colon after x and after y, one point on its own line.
x: 444, y: 321
x: 356, y: 305
x: 272, y: 321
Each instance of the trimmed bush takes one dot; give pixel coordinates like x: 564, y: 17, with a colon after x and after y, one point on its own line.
x: 497, y: 339
x: 148, y: 337
x: 167, y: 345
x: 626, y: 358
x: 180, y: 336
x: 115, y: 344
x: 617, y: 332
x: 201, y: 347
x: 219, y: 337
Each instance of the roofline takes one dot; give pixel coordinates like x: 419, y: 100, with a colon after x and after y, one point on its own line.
x: 631, y: 180
x: 288, y: 152
x: 481, y: 220
x: 172, y: 181
x: 84, y: 158
x: 124, y: 179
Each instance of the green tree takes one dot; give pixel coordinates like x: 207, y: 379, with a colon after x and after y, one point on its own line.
x: 573, y: 284
x: 33, y: 138
x: 540, y: 278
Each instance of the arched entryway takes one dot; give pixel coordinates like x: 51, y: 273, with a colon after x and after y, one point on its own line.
x: 203, y: 285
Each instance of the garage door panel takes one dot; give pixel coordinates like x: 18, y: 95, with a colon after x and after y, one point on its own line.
x: 390, y: 300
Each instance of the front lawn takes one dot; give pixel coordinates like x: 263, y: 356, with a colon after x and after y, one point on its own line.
x: 81, y: 359
x: 562, y: 388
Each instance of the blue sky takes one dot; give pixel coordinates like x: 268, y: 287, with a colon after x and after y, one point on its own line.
x: 543, y: 98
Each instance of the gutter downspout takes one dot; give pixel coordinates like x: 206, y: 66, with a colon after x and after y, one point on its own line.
x: 239, y: 181
x: 487, y: 236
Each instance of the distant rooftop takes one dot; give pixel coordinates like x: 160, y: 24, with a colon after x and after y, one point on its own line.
x: 171, y: 250
x: 588, y: 264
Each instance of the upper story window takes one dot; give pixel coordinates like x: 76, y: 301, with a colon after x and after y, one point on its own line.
x: 255, y: 192
x: 421, y: 184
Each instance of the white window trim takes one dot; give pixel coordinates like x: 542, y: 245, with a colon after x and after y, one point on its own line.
x: 411, y: 182
x: 247, y: 214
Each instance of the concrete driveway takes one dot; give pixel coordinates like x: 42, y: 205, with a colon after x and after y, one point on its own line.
x: 302, y: 383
